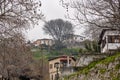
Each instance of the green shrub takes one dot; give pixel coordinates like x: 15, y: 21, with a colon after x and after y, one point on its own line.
x: 102, y: 71
x: 117, y: 67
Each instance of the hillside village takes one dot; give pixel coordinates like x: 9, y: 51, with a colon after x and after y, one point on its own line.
x: 77, y: 59
x: 62, y: 64
x: 84, y: 45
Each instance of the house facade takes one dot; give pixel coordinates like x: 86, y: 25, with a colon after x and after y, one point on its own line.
x: 109, y: 40
x: 48, y: 42
x: 64, y: 61
x: 72, y: 40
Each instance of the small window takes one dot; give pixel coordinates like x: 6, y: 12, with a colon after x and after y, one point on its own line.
x: 110, y: 39
x: 55, y: 76
x: 56, y: 64
x: 52, y: 77
x: 51, y: 66
x: 75, y: 37
x: 116, y: 39
x: 42, y: 42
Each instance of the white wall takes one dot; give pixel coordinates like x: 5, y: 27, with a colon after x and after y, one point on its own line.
x: 103, y: 50
x: 110, y: 46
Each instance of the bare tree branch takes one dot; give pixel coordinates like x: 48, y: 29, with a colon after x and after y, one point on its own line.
x: 58, y: 29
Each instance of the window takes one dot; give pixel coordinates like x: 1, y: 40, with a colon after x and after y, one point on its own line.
x: 51, y: 66
x: 42, y: 42
x: 55, y: 76
x: 117, y: 39
x: 64, y: 64
x: 52, y: 77
x: 56, y: 64
x: 110, y: 39
x: 114, y: 39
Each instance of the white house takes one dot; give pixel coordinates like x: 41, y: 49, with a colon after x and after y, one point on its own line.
x: 48, y: 42
x: 109, y: 40
x: 72, y: 40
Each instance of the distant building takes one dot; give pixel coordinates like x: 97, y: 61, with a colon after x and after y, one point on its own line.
x: 65, y: 66
x: 48, y: 42
x: 72, y: 40
x: 109, y: 40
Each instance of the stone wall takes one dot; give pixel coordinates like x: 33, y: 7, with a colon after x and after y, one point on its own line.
x: 86, y: 59
x: 106, y: 69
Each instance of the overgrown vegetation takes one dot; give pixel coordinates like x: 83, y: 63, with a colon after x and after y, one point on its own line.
x: 105, y: 61
x: 37, y: 53
x: 92, y: 46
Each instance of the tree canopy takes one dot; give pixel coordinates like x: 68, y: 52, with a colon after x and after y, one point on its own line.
x: 16, y: 16
x: 94, y: 15
x: 58, y: 28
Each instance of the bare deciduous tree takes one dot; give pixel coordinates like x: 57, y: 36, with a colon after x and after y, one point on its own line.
x: 58, y: 29
x: 99, y: 13
x: 15, y: 56
x: 15, y: 16
x: 92, y: 32
x: 39, y: 69
x: 19, y: 11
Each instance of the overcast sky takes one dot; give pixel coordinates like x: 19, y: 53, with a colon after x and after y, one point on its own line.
x: 52, y: 10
